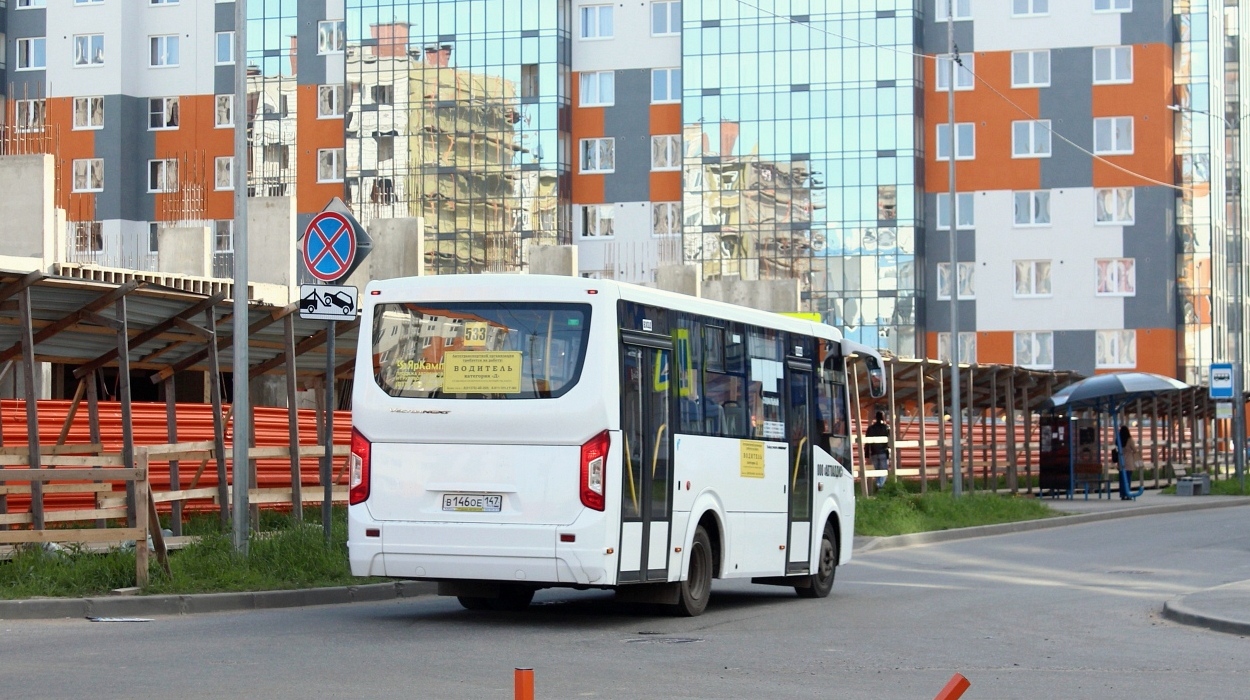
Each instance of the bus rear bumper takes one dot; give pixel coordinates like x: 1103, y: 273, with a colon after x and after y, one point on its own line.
x: 479, y: 551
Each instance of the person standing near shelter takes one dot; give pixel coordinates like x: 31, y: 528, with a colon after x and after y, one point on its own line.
x: 1129, y: 460
x: 879, y: 452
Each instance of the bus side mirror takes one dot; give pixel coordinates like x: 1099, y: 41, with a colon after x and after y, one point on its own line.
x: 876, y: 377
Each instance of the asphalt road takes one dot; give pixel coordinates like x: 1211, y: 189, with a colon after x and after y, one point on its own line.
x: 1070, y: 612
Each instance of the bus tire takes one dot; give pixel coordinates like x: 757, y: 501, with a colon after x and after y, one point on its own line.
x: 474, y: 602
x: 696, y: 588
x: 512, y: 598
x: 821, y: 582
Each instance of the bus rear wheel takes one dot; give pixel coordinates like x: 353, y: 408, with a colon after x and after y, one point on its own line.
x: 474, y: 602
x: 821, y: 582
x: 512, y: 598
x: 697, y: 587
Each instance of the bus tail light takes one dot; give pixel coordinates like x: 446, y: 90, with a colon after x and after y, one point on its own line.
x: 358, y: 468
x: 594, y: 463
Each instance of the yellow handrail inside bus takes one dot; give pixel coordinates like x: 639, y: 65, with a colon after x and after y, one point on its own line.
x: 629, y: 469
x: 655, y: 456
x: 798, y: 455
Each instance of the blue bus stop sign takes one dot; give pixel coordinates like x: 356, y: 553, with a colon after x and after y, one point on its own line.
x: 1222, y: 381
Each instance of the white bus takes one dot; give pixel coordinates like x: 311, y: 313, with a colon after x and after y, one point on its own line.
x: 511, y: 433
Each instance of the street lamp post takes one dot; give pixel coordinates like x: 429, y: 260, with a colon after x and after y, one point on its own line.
x: 1239, y: 404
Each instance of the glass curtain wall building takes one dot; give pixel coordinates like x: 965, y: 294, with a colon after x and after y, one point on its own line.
x: 457, y: 112
x: 801, y: 154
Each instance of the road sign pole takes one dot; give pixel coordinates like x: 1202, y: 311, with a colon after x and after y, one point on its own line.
x: 327, y: 462
x: 239, y: 360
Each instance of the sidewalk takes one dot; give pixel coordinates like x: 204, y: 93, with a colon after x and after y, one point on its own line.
x: 1224, y: 608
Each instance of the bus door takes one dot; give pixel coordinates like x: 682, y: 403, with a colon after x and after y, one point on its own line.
x: 647, y: 472
x: 799, y: 431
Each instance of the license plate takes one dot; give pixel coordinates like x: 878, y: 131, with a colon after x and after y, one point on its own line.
x: 473, y: 502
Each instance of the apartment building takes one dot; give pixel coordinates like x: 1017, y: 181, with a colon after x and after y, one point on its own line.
x: 794, y: 139
x: 1085, y: 207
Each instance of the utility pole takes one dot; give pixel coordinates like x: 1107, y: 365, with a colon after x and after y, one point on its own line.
x: 957, y: 482
x: 241, y: 402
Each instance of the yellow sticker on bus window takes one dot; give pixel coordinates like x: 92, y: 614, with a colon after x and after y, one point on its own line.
x: 751, y: 459
x: 475, y: 334
x: 482, y: 372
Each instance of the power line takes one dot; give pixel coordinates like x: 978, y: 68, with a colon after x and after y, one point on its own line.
x: 996, y: 91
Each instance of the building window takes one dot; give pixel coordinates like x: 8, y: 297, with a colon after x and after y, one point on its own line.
x: 1113, y: 205
x: 1028, y: 8
x: 964, y: 215
x: 88, y: 237
x: 162, y: 2
x: 598, y: 220
x: 1113, y: 64
x: 223, y: 173
x: 29, y: 114
x: 88, y: 50
x: 1030, y: 139
x: 30, y: 54
x: 529, y: 80
x: 665, y: 218
x: 597, y: 88
x: 1035, y: 349
x: 965, y: 140
x: 1113, y: 5
x: 1032, y: 278
x: 89, y: 175
x: 1032, y: 208
x: 386, y: 148
x: 967, y: 347
x: 225, y: 48
x: 1030, y: 69
x: 88, y: 113
x: 163, y: 175
x: 598, y: 155
x: 223, y: 111
x: 164, y: 51
x: 666, y: 85
x: 596, y: 22
x: 1117, y: 277
x: 665, y: 18
x: 666, y: 152
x: 154, y: 236
x: 329, y: 101
x: 965, y: 79
x: 1114, y: 349
x: 963, y: 10
x: 330, y: 165
x: 88, y: 2
x: 1113, y: 135
x: 330, y: 36
x: 276, y: 154
x: 162, y: 113
x: 223, y: 236
x: 967, y: 285
x: 382, y: 94
x: 23, y: 4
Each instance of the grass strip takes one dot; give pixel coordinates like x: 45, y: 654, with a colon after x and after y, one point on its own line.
x: 895, y: 510
x: 286, y: 555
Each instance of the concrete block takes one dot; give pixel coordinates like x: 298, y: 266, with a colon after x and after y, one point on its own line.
x: 398, y: 251
x: 28, y: 209
x: 271, y: 237
x: 779, y: 296
x: 185, y: 250
x: 683, y: 279
x: 553, y: 260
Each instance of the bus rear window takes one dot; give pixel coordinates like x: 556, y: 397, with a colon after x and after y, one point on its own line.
x: 474, y: 350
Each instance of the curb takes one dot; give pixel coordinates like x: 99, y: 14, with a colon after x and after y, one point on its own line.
x: 876, y: 544
x: 1177, y: 611
x: 128, y: 606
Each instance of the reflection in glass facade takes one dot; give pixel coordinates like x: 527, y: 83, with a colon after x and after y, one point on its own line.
x: 271, y: 102
x: 458, y: 112
x: 800, y: 155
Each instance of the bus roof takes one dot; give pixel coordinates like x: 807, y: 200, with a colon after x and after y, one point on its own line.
x: 552, y: 287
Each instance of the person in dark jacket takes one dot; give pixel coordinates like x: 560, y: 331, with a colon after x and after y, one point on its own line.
x: 879, y: 452
x: 1130, y: 459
